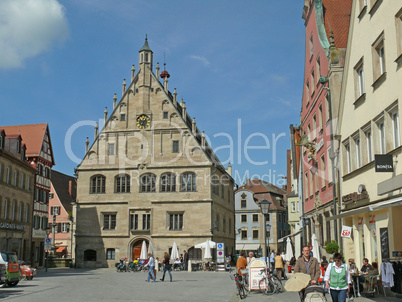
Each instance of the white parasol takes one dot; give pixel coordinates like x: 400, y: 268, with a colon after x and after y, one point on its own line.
x: 150, y: 248
x: 316, y: 250
x: 143, y: 254
x: 207, y: 254
x: 289, y: 251
x: 175, y: 252
x: 203, y: 245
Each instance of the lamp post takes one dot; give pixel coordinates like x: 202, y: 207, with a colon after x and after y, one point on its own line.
x: 54, y: 224
x: 47, y: 251
x: 264, y: 205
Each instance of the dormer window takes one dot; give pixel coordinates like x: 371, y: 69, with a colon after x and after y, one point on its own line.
x: 1, y: 141
x: 18, y: 146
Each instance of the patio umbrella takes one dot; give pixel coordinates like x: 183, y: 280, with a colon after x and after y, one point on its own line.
x: 143, y: 254
x: 289, y: 251
x: 207, y: 254
x: 150, y: 248
x: 316, y: 250
x: 297, y: 282
x: 175, y: 252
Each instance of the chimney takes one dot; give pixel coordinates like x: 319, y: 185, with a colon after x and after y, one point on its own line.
x: 70, y: 184
x: 132, y: 73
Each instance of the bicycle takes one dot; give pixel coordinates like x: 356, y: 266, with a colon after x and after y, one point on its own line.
x: 239, y: 284
x: 266, y: 284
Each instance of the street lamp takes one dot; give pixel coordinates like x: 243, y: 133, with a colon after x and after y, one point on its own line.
x: 47, y: 252
x: 264, y: 205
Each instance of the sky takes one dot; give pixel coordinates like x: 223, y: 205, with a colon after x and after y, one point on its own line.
x: 237, y: 64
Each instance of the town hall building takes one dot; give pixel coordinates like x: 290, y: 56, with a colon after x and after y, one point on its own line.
x: 150, y: 176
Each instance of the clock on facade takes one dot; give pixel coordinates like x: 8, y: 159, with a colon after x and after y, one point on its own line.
x: 143, y: 121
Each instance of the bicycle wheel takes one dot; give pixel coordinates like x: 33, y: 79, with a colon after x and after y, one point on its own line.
x: 266, y: 286
x: 278, y: 284
x: 241, y: 290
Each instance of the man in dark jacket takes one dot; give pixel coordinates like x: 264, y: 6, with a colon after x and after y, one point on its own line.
x: 185, y: 260
x: 308, y: 265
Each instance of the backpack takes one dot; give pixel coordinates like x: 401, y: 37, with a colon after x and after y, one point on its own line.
x: 314, y: 293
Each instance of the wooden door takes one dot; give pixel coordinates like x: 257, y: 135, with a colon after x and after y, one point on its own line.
x: 137, y: 249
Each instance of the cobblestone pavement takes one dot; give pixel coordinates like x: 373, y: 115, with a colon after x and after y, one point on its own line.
x: 108, y: 285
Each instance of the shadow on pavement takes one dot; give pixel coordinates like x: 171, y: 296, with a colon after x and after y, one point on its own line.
x: 4, y: 293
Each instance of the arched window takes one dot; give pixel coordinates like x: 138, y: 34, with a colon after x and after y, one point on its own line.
x: 6, y: 209
x: 168, y: 182
x: 14, y: 211
x: 89, y: 255
x: 122, y: 183
x: 27, y: 213
x: 188, y: 182
x: 98, y: 184
x: 148, y: 183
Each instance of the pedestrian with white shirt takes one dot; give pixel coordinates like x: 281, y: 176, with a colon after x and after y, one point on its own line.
x: 337, y: 278
x: 151, y: 264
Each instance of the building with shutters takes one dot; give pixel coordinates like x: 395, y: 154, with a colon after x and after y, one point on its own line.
x: 149, y: 176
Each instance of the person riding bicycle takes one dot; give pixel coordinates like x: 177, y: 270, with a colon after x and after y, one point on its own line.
x: 309, y: 265
x: 241, y: 263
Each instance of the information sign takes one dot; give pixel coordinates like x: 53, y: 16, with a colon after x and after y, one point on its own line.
x: 255, y: 274
x: 346, y: 231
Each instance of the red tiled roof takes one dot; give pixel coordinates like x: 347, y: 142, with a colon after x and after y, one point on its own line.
x: 260, y: 186
x: 32, y: 136
x: 337, y: 18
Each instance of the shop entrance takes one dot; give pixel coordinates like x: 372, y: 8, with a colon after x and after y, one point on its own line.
x: 137, y: 248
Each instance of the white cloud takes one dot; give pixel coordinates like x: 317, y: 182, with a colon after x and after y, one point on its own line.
x: 278, y: 78
x: 203, y: 60
x: 28, y: 28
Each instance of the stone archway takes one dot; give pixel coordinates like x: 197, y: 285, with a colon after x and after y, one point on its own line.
x: 136, y: 247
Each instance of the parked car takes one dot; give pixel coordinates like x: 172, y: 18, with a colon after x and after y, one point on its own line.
x: 12, y: 266
x: 3, y: 273
x: 27, y: 271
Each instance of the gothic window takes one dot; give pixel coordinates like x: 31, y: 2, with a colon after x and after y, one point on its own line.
x: 168, y: 182
x: 148, y: 183
x: 188, y: 182
x: 98, y: 184
x: 122, y: 183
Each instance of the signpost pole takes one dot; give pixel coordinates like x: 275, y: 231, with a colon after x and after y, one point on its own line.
x: 46, y: 260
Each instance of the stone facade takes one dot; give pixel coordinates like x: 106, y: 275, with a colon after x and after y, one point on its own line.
x: 149, y: 176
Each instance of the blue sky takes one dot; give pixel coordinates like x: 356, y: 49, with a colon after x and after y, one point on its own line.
x: 233, y: 62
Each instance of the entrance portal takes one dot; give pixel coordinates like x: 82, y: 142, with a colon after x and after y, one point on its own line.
x: 137, y: 248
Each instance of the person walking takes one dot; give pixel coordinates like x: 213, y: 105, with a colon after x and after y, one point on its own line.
x: 151, y: 264
x: 337, y: 278
x: 167, y: 267
x: 241, y: 263
x: 272, y: 259
x: 279, y: 265
x: 185, y: 260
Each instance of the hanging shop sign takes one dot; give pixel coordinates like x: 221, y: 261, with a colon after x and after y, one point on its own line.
x: 384, y: 163
x: 346, y: 231
x: 11, y: 226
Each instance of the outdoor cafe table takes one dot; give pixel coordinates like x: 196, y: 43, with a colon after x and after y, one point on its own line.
x: 355, y: 278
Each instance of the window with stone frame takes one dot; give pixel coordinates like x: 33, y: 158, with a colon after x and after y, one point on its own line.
x: 122, y: 183
x: 175, y: 221
x: 146, y: 222
x: 398, y: 24
x: 322, y: 171
x: 244, y: 218
x: 244, y: 234
x: 110, y: 254
x: 109, y: 221
x: 188, y: 182
x: 230, y: 226
x: 378, y: 56
x: 98, y: 184
x: 381, y: 139
x: 359, y: 79
x: 133, y: 222
x: 255, y: 234
x: 394, y: 115
x: 168, y: 182
x: 255, y: 217
x: 148, y: 183
x: 175, y: 146
x: 111, y: 149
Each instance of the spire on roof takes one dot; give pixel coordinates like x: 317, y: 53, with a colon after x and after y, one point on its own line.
x: 145, y: 46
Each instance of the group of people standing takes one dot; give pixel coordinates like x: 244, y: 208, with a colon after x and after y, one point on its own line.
x: 167, y: 266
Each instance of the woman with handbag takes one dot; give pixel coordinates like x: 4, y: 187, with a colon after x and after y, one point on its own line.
x: 167, y: 267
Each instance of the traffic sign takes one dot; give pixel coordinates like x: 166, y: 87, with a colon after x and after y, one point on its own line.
x: 48, y: 240
x: 48, y: 246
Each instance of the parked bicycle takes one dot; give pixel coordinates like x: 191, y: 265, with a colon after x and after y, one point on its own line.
x: 270, y: 283
x: 240, y: 284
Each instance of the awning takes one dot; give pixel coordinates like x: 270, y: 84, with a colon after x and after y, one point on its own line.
x: 60, y: 249
x: 370, y: 208
x: 291, y: 235
x: 247, y: 246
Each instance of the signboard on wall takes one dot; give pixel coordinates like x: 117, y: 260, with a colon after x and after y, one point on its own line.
x: 384, y: 243
x: 384, y: 163
x: 346, y: 231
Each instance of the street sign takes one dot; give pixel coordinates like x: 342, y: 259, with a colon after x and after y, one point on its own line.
x: 48, y: 240
x: 48, y: 246
x: 220, y: 253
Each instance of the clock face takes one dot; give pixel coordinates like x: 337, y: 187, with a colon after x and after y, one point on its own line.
x: 143, y: 121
